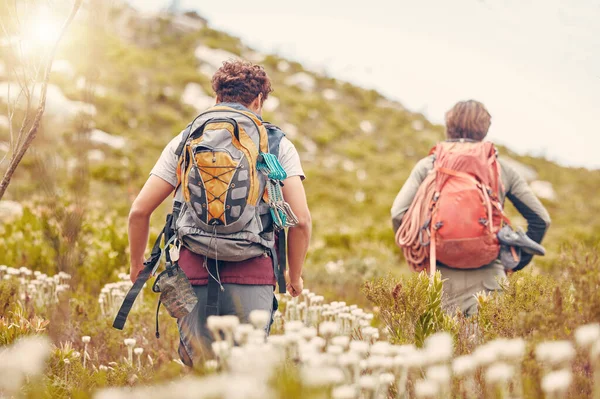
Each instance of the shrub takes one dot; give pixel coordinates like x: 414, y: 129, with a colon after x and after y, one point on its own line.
x: 410, y: 307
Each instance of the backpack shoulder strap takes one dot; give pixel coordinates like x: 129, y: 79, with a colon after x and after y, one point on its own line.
x: 184, y: 137
x: 275, y: 137
x: 279, y: 254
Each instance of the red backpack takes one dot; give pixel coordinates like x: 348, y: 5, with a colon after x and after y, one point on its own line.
x: 458, y: 208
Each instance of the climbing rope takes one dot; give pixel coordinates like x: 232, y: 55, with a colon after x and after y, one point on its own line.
x: 413, y: 235
x: 282, y: 213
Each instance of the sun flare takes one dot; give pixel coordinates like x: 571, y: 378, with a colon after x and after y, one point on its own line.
x: 43, y: 28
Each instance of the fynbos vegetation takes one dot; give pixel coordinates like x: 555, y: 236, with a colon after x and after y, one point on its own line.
x: 117, y: 95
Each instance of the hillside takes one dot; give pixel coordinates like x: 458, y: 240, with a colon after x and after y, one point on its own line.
x: 138, y: 81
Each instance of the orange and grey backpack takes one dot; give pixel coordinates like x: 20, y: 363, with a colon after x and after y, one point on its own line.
x: 228, y: 203
x: 457, y: 212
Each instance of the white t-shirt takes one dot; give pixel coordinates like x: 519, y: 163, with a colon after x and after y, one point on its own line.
x: 166, y: 166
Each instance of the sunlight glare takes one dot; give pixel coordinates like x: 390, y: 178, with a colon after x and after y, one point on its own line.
x: 43, y: 29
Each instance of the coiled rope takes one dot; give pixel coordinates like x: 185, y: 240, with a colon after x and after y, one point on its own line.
x: 413, y: 234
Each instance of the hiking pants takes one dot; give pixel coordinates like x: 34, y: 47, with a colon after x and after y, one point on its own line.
x: 236, y: 299
x: 463, y: 284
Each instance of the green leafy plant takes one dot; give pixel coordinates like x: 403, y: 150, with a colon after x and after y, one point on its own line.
x: 433, y: 319
x: 410, y: 306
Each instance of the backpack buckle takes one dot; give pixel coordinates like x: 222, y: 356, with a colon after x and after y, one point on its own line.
x: 174, y: 251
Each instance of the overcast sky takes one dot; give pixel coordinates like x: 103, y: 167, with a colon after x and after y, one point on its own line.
x: 534, y: 63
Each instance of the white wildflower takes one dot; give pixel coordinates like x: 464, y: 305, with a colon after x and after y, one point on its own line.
x: 260, y: 318
x: 318, y: 343
x: 344, y: 392
x: 512, y: 349
x: 341, y: 340
x: 130, y: 343
x: 230, y: 322
x: 375, y: 362
x: 322, y: 376
x: 439, y: 375
x: 403, y: 349
x: 220, y: 348
x: 368, y: 382
x: 426, y: 389
x: 242, y: 332
x: 86, y: 339
x: 415, y: 359
x: 308, y: 333
x: 381, y: 348
x: 386, y: 379
x: 335, y: 350
x: 293, y: 326
x: 361, y: 348
x: 499, y: 373
x: 215, y: 325
x: 585, y: 336
x: 25, y: 358
x: 557, y: 381
x: 328, y: 329
x: 439, y: 347
x: 138, y: 353
x: 555, y: 353
x: 485, y: 355
x: 279, y: 341
x: 349, y: 359
x: 464, y: 365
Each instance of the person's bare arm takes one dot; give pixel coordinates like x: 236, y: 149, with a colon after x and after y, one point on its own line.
x: 298, y: 236
x: 154, y: 192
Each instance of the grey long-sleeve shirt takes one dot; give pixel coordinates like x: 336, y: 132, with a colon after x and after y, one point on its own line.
x: 516, y: 190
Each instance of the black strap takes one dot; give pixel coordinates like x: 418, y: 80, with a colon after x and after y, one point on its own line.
x: 280, y: 261
x: 157, y: 309
x: 119, y: 322
x: 212, y: 291
x: 141, y: 279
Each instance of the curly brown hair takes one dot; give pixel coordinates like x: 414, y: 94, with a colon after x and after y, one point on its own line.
x: 241, y: 82
x: 468, y: 120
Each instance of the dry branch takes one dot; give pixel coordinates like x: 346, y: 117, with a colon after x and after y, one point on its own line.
x: 23, y: 145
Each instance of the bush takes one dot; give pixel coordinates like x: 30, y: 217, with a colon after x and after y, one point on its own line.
x: 410, y: 307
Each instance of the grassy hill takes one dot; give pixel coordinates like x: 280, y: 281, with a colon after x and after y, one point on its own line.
x: 147, y: 77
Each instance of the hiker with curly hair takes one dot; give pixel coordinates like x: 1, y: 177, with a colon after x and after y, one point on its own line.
x: 449, y: 215
x: 238, y: 185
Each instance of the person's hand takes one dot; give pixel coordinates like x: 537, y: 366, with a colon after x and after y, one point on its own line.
x: 134, y: 269
x: 294, y: 285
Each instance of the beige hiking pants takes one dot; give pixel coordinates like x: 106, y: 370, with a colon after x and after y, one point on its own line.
x: 462, y: 285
